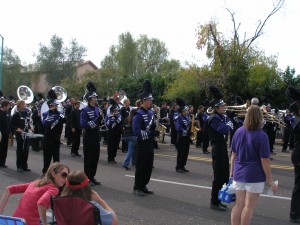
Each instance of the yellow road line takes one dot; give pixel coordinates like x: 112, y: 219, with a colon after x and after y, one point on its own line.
x: 209, y: 160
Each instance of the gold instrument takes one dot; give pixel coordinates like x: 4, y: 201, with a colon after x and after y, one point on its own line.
x: 194, y: 129
x: 159, y: 127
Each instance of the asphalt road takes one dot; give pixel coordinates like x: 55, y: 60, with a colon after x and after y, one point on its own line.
x: 178, y: 199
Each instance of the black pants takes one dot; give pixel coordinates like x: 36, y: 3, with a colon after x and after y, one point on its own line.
x: 144, y: 163
x: 220, y: 164
x: 205, y: 141
x: 3, y: 148
x: 271, y: 135
x: 112, y: 144
x: 91, y: 152
x: 173, y: 134
x: 76, y: 141
x: 36, y: 144
x: 183, y: 151
x: 288, y: 137
x: 68, y: 132
x: 51, y: 148
x: 199, y: 139
x: 22, y: 151
x: 295, y: 203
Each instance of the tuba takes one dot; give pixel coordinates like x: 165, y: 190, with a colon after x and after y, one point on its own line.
x: 159, y: 127
x: 194, y: 129
x: 24, y: 93
x: 61, y: 94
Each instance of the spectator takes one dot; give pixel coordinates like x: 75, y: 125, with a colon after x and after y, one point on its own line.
x: 77, y: 184
x: 250, y: 166
x: 36, y: 197
x: 130, y: 139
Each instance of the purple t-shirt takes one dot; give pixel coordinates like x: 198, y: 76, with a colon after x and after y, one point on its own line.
x: 250, y: 147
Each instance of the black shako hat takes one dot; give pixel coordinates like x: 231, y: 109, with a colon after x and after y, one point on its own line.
x: 217, y: 97
x: 147, y: 91
x: 52, y: 98
x: 181, y: 105
x: 91, y: 91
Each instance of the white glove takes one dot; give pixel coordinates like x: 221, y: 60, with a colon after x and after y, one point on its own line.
x: 230, y: 124
x: 61, y: 116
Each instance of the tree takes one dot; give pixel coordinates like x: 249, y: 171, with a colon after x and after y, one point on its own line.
x: 231, y: 56
x: 133, y: 58
x: 12, y: 76
x: 59, y: 61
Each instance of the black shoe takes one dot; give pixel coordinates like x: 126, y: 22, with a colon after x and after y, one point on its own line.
x: 3, y: 166
x: 217, y: 207
x: 95, y: 182
x: 77, y: 154
x: 147, y: 191
x: 179, y: 170
x: 73, y: 154
x: 295, y: 220
x: 126, y: 167
x: 27, y: 169
x: 185, y: 170
x: 206, y: 152
x: 20, y: 170
x: 138, y: 192
x: 112, y: 162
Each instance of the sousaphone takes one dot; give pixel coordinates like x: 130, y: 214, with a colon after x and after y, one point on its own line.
x: 24, y: 93
x: 61, y: 95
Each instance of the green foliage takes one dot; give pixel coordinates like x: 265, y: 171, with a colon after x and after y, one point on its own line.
x: 102, y: 79
x: 12, y: 76
x: 58, y: 61
x: 132, y: 58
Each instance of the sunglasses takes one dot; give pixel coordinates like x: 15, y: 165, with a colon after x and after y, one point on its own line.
x: 63, y: 174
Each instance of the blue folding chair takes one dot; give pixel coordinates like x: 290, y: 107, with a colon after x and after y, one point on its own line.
x: 9, y: 220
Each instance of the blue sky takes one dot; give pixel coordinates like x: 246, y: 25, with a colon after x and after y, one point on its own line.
x: 96, y: 25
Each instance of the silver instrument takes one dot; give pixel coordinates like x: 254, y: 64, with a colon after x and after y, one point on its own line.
x: 24, y: 93
x: 61, y: 94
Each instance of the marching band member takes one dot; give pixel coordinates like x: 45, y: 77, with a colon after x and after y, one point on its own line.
x: 144, y: 130
x: 53, y: 122
x: 90, y: 119
x: 218, y: 127
x: 183, y: 127
x: 75, y: 128
x: 20, y: 125
x: 125, y: 110
x: 113, y: 123
x: 173, y: 118
x: 4, y: 131
x: 295, y: 108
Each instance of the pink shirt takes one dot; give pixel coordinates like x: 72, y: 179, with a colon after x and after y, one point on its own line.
x: 32, y: 197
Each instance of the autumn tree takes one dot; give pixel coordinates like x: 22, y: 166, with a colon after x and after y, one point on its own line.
x: 232, y: 57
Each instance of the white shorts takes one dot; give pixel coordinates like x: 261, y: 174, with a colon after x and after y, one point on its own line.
x: 249, y: 187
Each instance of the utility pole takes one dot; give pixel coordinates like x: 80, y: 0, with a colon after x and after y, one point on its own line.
x: 1, y: 60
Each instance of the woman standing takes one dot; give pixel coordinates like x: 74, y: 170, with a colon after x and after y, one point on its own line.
x: 250, y: 166
x: 36, y: 195
x: 20, y: 125
x: 130, y: 139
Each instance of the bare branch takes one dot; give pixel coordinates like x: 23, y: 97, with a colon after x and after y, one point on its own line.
x: 261, y: 25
